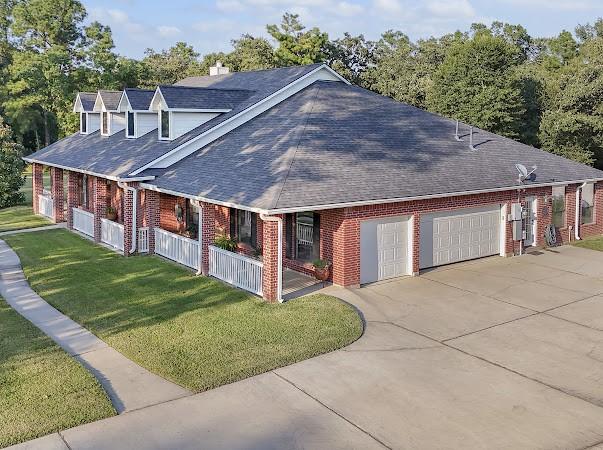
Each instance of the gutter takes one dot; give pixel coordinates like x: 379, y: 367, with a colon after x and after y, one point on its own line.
x: 577, y: 216
x: 134, y: 191
x: 279, y: 284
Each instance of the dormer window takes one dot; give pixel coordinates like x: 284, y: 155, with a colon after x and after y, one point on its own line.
x: 84, y: 123
x: 165, y: 124
x: 131, y: 125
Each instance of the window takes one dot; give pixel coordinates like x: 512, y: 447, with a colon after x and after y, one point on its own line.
x: 192, y: 220
x: 165, y: 124
x: 104, y: 122
x: 83, y: 123
x: 302, y: 233
x: 130, y: 124
x: 84, y: 191
x: 558, y: 217
x: 243, y: 226
x: 587, y: 204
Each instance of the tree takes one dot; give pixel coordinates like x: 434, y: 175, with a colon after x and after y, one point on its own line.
x: 170, y: 65
x: 351, y: 56
x: 476, y: 83
x: 296, y: 45
x: 11, y: 168
x: 250, y: 53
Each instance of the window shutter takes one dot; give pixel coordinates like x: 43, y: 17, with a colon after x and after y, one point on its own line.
x: 254, y: 230
x: 289, y: 236
x: 316, y: 236
x: 232, y: 214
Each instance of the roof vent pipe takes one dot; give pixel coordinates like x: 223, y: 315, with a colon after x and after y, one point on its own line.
x: 456, y: 132
x: 471, y: 139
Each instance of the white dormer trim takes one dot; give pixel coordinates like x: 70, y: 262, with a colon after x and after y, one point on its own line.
x: 77, y: 104
x: 99, y: 106
x: 170, y: 125
x: 84, y: 120
x: 128, y: 112
x: 158, y: 102
x: 321, y: 73
x: 124, y: 106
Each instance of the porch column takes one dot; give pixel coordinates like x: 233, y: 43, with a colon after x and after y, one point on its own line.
x: 346, y: 251
x: 37, y: 185
x: 58, y: 194
x: 208, y: 233
x: 99, y: 204
x: 73, y: 194
x: 270, y: 251
x: 152, y: 214
x: 416, y: 242
x: 129, y: 204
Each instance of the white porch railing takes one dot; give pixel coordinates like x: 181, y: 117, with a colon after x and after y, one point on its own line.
x: 83, y: 221
x: 46, y: 206
x: 305, y: 234
x: 177, y: 248
x: 143, y: 240
x: 112, y: 233
x: 238, y: 270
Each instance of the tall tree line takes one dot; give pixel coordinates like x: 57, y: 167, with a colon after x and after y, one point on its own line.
x: 546, y: 92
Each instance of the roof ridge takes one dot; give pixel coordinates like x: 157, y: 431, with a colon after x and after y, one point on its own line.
x: 176, y: 86
x: 301, y: 133
x: 254, y: 71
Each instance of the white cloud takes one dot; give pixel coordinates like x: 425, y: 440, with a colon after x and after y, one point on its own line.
x: 348, y: 9
x: 230, y: 6
x: 451, y: 8
x: 388, y: 6
x: 558, y: 5
x: 168, y: 31
x: 117, y: 18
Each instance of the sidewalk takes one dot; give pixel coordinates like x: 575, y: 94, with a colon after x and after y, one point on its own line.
x: 128, y: 385
x: 30, y: 230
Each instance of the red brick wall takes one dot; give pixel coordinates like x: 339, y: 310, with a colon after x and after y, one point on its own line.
x: 58, y: 194
x: 270, y: 260
x: 222, y: 216
x: 208, y: 229
x: 152, y: 214
x: 596, y: 228
x: 167, y: 219
x: 115, y: 200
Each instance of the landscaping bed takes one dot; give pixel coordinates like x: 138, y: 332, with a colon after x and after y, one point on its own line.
x: 195, y: 331
x: 42, y: 389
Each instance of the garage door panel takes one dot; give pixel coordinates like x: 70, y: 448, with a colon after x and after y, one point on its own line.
x: 459, y: 235
x: 384, y: 249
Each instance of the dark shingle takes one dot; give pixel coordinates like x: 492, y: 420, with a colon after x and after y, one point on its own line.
x: 110, y: 99
x: 203, y: 98
x: 87, y: 99
x: 140, y: 99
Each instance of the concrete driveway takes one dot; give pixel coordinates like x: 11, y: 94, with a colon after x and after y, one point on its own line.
x: 495, y: 353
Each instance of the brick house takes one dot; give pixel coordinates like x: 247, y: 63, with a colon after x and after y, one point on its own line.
x: 296, y: 164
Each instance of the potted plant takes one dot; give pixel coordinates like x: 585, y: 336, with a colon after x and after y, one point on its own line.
x: 111, y: 213
x: 321, y: 269
x: 226, y: 243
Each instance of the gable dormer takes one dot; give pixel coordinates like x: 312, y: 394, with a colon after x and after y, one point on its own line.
x: 111, y: 120
x: 135, y: 104
x: 84, y: 106
x: 180, y: 109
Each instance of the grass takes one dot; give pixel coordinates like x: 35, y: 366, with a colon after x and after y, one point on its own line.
x: 592, y: 243
x: 20, y: 217
x: 195, y: 331
x: 42, y: 389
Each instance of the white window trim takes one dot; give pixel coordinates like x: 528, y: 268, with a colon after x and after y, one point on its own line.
x: 564, y: 187
x: 134, y: 114
x: 84, y: 116
x: 170, y: 125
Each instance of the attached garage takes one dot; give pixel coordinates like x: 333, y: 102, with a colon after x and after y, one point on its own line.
x: 385, y: 249
x: 450, y: 237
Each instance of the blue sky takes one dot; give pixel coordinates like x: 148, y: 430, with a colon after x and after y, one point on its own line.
x: 209, y: 25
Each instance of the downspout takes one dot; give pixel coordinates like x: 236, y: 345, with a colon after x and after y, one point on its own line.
x: 197, y: 203
x: 279, y: 284
x: 577, y: 218
x: 134, y: 192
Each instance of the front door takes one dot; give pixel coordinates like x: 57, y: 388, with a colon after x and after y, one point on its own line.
x: 530, y: 222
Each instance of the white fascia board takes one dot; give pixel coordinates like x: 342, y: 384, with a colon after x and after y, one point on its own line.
x: 426, y: 197
x: 77, y: 105
x: 124, y: 102
x: 159, y: 97
x: 198, y: 142
x: 88, y: 172
x: 98, y: 103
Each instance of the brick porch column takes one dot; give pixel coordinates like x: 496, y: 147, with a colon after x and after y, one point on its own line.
x: 270, y: 259
x: 37, y: 185
x: 152, y: 214
x: 58, y: 194
x: 416, y: 242
x: 208, y: 233
x: 99, y: 204
x: 346, y: 252
x: 73, y: 196
x: 129, y: 216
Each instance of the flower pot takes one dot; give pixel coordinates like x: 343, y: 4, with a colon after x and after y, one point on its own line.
x: 322, y: 274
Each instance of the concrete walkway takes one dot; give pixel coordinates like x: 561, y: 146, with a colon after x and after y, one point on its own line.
x: 128, y: 385
x: 31, y: 230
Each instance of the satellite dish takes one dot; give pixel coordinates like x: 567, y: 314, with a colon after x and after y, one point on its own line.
x: 523, y: 172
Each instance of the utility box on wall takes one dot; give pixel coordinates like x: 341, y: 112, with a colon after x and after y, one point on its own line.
x: 516, y: 219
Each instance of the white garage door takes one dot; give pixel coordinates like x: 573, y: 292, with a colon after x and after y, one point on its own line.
x: 384, y: 249
x: 458, y: 236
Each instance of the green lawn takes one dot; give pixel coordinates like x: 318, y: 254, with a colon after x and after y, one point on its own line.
x: 19, y: 217
x: 593, y: 243
x: 42, y: 389
x: 196, y: 331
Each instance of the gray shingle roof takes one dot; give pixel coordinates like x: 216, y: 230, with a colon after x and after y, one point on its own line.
x: 140, y: 99
x: 186, y: 97
x: 333, y: 143
x: 110, y: 99
x: 87, y: 99
x: 118, y: 156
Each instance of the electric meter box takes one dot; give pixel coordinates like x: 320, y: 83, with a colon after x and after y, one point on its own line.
x: 516, y: 211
